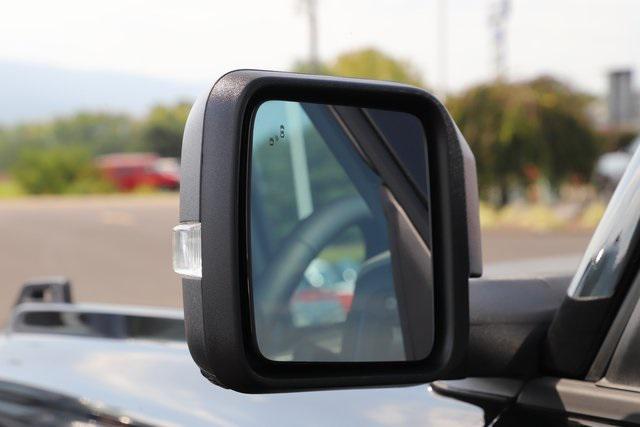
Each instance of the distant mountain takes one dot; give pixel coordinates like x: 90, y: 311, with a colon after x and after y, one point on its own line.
x: 34, y: 92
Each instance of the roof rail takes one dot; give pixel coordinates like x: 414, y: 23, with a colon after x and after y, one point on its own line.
x: 46, y: 289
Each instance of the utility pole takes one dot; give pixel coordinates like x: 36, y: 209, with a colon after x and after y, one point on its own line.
x: 310, y: 7
x: 498, y: 17
x: 441, y: 37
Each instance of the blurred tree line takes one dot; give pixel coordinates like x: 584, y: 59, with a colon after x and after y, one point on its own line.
x: 368, y: 63
x: 57, y: 156
x: 526, y: 131
x: 521, y: 133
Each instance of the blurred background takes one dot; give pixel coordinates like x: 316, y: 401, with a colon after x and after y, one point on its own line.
x: 94, y: 96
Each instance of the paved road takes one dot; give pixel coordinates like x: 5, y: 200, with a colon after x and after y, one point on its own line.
x: 117, y: 249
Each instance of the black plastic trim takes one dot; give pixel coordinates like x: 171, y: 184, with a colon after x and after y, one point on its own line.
x: 508, y: 324
x: 581, y: 399
x: 623, y: 369
x: 612, y: 340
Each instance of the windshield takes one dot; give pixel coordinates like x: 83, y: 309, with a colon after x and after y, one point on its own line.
x: 610, y: 248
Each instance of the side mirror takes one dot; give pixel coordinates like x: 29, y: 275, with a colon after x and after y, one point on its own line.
x: 328, y: 231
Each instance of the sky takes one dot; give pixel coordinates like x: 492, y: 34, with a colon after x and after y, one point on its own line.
x: 195, y: 41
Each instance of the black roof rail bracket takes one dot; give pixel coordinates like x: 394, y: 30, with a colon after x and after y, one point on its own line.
x: 46, y: 289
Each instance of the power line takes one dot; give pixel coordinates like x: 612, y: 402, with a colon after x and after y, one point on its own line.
x: 498, y: 17
x: 441, y: 26
x: 310, y: 7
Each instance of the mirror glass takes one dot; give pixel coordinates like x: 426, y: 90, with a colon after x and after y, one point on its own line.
x: 322, y: 279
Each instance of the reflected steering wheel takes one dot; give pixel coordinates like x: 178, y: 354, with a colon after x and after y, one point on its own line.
x: 273, y: 289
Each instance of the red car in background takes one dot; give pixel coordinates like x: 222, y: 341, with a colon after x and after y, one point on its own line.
x: 129, y: 171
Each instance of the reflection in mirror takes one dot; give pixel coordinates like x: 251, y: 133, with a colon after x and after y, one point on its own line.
x: 321, y: 272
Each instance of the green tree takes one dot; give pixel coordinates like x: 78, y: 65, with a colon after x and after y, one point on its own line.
x: 369, y: 63
x: 521, y: 131
x: 162, y: 129
x: 567, y: 130
x: 58, y: 170
x: 307, y: 67
x: 98, y: 133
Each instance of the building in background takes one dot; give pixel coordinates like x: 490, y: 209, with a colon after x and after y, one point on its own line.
x: 623, y: 119
x: 622, y: 102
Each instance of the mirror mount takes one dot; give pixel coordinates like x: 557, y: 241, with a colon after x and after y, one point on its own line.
x: 214, y: 191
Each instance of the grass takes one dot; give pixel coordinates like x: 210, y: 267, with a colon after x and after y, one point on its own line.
x: 539, y: 217
x: 10, y: 189
x: 591, y: 216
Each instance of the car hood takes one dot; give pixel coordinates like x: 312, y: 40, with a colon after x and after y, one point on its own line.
x: 154, y: 382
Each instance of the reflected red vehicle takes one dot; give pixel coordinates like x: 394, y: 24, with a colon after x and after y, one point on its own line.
x: 128, y: 171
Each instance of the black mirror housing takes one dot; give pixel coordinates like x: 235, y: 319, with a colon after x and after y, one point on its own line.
x: 214, y: 192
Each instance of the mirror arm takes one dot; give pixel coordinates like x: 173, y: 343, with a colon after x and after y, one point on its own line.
x: 505, y: 340
x: 509, y: 320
